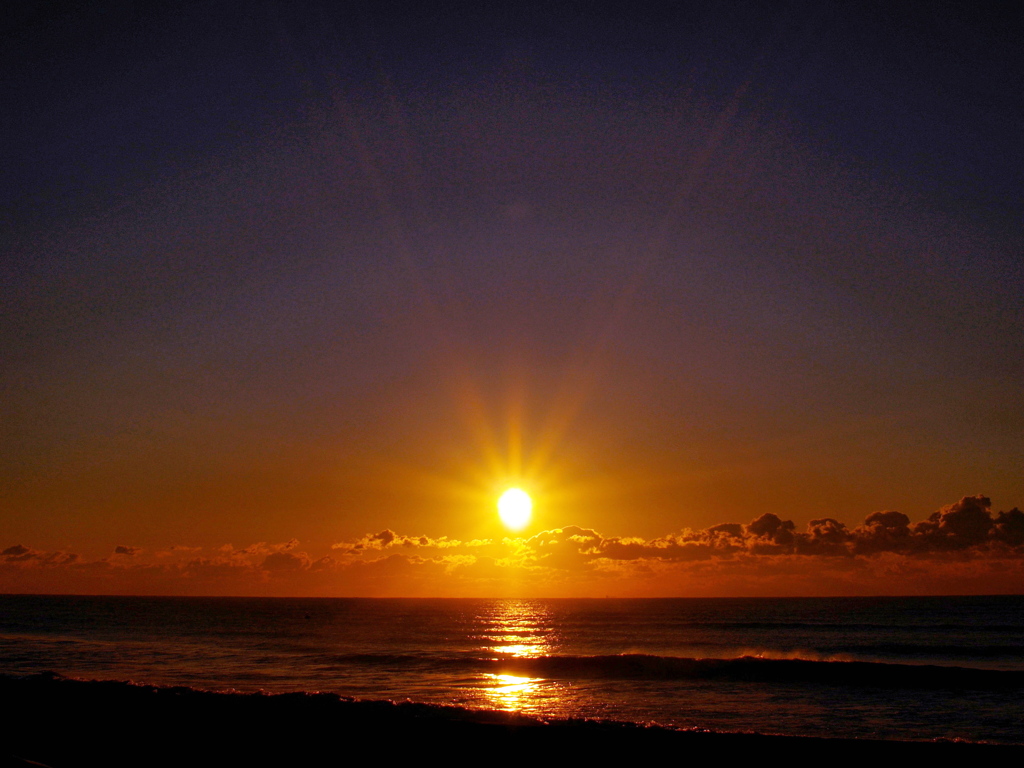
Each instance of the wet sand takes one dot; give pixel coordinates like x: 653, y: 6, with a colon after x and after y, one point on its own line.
x: 62, y: 722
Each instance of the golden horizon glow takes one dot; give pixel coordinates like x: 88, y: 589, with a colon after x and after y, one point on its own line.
x: 515, y: 507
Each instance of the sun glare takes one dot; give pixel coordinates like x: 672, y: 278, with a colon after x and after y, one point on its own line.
x: 514, y: 508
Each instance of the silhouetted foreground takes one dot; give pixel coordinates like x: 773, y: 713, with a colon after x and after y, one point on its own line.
x: 62, y: 723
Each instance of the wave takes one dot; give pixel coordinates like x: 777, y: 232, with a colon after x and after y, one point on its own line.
x: 846, y: 627
x: 753, y: 669
x: 937, y: 649
x: 739, y: 669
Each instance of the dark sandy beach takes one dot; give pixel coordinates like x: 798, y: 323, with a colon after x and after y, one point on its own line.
x: 62, y: 722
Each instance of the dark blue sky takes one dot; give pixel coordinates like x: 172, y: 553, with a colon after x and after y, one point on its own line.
x: 110, y: 95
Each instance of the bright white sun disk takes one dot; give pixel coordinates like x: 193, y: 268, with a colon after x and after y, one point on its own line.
x: 514, y: 508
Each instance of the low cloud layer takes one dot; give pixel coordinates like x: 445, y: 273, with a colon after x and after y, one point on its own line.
x: 961, y: 547
x: 969, y: 524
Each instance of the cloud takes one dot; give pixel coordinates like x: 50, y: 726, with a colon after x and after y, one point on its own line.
x: 388, y: 538
x: 958, y: 526
x: 965, y: 525
x: 886, y: 531
x: 21, y: 556
x: 770, y: 531
x: 960, y: 548
x: 569, y: 548
x: 285, y: 561
x: 17, y: 552
x: 1008, y: 528
x: 177, y: 550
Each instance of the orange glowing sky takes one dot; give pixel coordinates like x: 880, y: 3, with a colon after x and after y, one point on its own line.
x: 290, y: 300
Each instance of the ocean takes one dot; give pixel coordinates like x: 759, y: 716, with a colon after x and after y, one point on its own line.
x: 917, y: 668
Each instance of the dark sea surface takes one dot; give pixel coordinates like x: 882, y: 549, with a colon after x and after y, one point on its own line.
x: 890, y: 668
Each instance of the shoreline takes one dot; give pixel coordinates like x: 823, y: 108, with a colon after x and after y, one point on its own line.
x: 62, y: 722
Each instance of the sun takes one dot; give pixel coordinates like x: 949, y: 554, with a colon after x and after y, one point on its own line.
x: 514, y: 508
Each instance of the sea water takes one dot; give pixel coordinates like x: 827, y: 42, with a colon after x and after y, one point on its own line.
x: 890, y: 668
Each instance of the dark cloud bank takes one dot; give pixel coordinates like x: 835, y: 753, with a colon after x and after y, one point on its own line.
x: 969, y: 523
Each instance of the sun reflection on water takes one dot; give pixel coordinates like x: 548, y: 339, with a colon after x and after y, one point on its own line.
x: 513, y: 692
x: 517, y: 629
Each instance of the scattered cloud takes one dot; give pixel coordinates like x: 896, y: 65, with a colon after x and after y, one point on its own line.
x: 17, y: 552
x: 388, y: 538
x: 285, y: 561
x: 961, y: 547
x: 20, y: 556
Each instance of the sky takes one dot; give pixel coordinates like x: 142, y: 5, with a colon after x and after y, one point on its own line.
x: 292, y: 292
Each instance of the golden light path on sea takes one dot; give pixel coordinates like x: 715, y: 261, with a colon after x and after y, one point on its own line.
x: 517, y: 629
